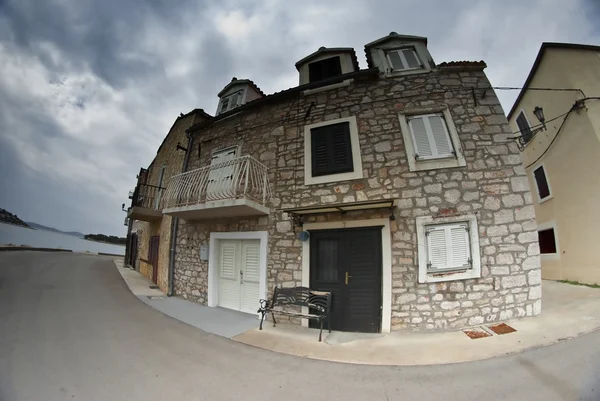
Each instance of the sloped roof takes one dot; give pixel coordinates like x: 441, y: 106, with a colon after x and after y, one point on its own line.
x: 235, y: 81
x: 325, y: 50
x: 463, y: 63
x: 545, y: 46
x: 391, y: 36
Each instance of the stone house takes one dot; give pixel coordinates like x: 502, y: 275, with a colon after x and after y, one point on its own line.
x: 397, y: 187
x: 150, y: 232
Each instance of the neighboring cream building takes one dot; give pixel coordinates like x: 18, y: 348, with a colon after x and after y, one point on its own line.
x: 563, y: 160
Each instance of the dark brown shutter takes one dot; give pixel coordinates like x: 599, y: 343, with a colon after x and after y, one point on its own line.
x: 542, y: 182
x: 331, y: 150
x: 524, y: 127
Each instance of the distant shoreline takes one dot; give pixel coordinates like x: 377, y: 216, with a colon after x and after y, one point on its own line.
x: 17, y: 225
x: 102, y: 242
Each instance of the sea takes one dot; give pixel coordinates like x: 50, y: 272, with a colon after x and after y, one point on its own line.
x: 16, y: 235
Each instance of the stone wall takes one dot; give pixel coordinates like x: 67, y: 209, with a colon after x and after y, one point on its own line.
x: 173, y: 158
x: 493, y: 186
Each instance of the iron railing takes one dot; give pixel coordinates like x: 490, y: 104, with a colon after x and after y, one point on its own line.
x: 147, y: 196
x: 244, y: 177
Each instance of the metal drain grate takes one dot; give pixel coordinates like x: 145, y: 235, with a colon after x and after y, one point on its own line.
x: 502, y: 328
x: 488, y: 331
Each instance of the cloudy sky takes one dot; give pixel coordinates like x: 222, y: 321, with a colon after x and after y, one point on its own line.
x: 88, y: 89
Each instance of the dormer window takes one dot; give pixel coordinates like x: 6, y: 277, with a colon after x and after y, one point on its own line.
x: 231, y: 102
x: 403, y: 59
x: 328, y: 68
x: 237, y: 93
x: 396, y: 55
x: 327, y: 63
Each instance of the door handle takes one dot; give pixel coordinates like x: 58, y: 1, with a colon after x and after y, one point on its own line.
x: 347, y: 277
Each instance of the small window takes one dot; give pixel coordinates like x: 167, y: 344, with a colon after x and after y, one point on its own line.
x: 541, y: 181
x: 430, y: 137
x: 331, y: 149
x: 403, y: 59
x: 547, y: 241
x: 524, y: 128
x: 323, y: 69
x: 230, y: 102
x: 448, y: 247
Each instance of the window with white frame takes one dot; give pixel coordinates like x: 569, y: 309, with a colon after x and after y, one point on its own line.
x: 230, y: 102
x: 431, y: 140
x: 403, y: 59
x: 448, y: 248
x: 524, y: 128
x: 332, y: 151
x: 430, y: 136
x: 541, y: 183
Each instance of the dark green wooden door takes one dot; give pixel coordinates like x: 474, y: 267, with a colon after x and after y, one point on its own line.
x: 347, y: 262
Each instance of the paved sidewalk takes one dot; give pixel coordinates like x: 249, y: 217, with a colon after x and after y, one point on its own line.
x: 567, y: 311
x: 219, y: 321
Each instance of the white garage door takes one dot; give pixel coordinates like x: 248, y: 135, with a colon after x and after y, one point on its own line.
x: 239, y: 275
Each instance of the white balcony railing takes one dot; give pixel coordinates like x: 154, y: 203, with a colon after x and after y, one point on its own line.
x: 244, y: 177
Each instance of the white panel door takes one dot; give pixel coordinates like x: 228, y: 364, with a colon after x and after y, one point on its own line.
x: 229, y: 274
x: 239, y: 275
x: 220, y: 177
x: 250, y: 276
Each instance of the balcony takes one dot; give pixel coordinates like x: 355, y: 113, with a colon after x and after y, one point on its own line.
x: 145, y: 203
x: 234, y: 188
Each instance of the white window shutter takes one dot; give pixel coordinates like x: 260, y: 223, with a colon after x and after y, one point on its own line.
x: 459, y: 239
x: 421, y: 140
x: 439, y: 131
x: 437, y: 251
x: 448, y: 247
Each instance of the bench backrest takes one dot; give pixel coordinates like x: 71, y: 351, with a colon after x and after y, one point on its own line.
x: 302, y: 296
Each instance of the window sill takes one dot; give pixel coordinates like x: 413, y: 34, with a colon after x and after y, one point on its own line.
x: 342, y: 84
x: 450, y: 275
x: 550, y: 256
x: 547, y: 198
x: 325, y: 179
x: 399, y: 73
x: 434, y: 164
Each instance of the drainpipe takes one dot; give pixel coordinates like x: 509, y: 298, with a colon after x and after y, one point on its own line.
x: 175, y: 225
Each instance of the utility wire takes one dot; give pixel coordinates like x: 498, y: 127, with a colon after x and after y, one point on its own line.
x: 553, y: 139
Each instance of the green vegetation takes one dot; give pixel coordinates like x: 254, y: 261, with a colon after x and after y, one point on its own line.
x: 578, y: 283
x: 109, y: 239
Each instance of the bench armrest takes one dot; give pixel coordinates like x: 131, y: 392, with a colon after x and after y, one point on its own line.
x: 265, y: 304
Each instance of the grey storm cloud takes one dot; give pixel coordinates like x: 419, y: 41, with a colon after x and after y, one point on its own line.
x: 88, y: 89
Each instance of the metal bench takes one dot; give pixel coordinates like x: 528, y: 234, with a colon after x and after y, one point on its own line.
x: 318, y: 302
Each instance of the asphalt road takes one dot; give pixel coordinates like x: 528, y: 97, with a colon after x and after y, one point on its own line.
x: 70, y: 329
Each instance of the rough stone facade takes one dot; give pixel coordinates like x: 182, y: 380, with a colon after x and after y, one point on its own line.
x: 172, y: 158
x: 493, y: 186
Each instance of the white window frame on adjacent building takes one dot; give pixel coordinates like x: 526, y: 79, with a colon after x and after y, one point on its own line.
x: 550, y: 225
x: 436, y: 160
x: 357, y: 172
x: 451, y: 271
x: 400, y: 51
x: 537, y: 188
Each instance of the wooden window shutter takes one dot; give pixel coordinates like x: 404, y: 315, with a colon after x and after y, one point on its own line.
x: 331, y: 150
x: 524, y: 127
x: 420, y: 137
x: 542, y: 182
x: 448, y: 247
x: 430, y: 137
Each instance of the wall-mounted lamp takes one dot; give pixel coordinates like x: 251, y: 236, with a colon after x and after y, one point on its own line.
x: 123, y: 207
x: 539, y: 113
